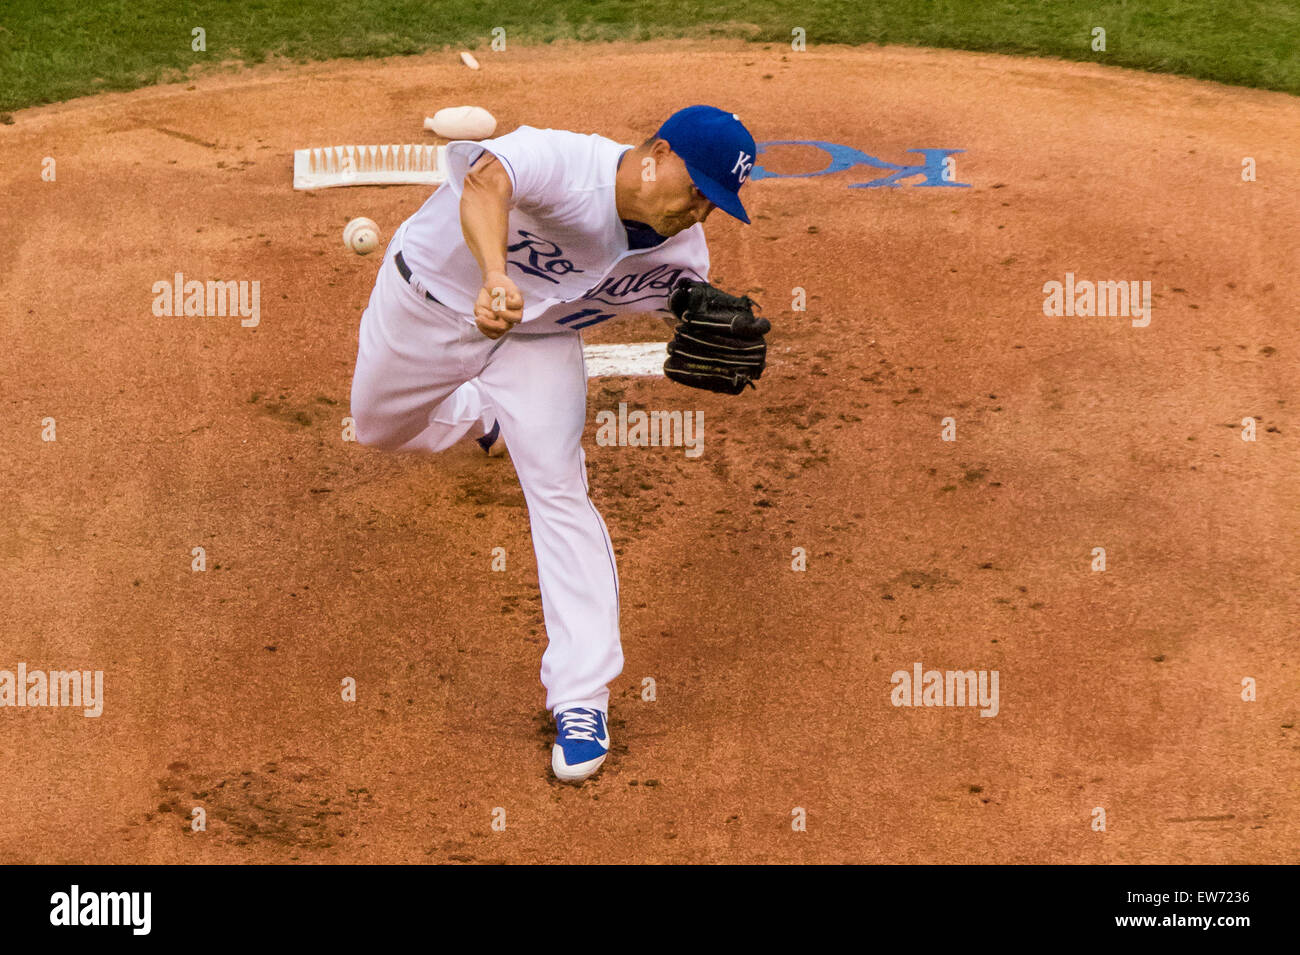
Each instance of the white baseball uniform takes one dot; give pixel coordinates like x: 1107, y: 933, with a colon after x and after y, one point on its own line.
x: 427, y: 377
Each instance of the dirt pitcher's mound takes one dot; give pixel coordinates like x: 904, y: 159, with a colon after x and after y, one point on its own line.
x: 1097, y: 537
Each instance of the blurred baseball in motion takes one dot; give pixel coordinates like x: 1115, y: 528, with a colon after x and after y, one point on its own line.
x: 361, y: 235
x: 462, y: 122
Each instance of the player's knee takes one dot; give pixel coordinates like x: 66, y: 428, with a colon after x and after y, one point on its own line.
x: 366, y: 437
x: 370, y: 425
x: 374, y: 431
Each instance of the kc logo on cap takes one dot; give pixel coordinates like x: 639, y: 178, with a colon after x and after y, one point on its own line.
x: 744, y: 163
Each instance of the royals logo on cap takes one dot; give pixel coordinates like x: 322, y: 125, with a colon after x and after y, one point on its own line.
x: 718, y: 152
x: 744, y: 163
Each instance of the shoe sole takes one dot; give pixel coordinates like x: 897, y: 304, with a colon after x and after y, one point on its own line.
x: 573, y: 774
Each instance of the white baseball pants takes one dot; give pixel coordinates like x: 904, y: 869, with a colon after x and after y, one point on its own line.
x: 427, y: 377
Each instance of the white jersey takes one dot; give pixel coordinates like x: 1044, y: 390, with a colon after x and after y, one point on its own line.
x: 566, y: 247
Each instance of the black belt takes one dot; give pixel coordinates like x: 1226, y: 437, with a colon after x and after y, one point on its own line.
x: 405, y: 272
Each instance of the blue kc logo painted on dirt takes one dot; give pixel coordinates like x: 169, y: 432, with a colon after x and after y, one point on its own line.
x: 935, y: 169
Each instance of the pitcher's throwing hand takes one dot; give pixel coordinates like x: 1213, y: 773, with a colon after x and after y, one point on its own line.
x: 499, y: 307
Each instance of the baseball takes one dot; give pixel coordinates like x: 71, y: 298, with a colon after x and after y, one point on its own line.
x: 361, y: 235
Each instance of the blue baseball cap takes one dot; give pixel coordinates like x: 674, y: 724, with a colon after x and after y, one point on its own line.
x: 718, y: 151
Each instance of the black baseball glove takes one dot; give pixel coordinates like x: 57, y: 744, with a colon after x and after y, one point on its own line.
x: 718, y: 344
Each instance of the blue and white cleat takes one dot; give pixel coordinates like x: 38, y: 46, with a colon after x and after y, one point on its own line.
x: 581, y: 743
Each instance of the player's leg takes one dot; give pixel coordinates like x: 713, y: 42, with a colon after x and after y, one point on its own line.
x: 411, y: 386
x: 538, y: 385
x: 466, y: 411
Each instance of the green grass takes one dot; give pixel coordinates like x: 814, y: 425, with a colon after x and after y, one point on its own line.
x: 52, y: 50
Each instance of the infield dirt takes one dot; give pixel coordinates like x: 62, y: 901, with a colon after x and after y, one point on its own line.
x: 1119, y: 689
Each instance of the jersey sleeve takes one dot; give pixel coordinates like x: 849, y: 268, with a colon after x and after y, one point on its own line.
x: 531, y: 158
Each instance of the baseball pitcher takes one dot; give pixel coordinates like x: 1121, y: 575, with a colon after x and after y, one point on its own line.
x: 474, y: 330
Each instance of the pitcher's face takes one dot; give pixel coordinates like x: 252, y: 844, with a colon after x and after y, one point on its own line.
x: 673, y: 201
